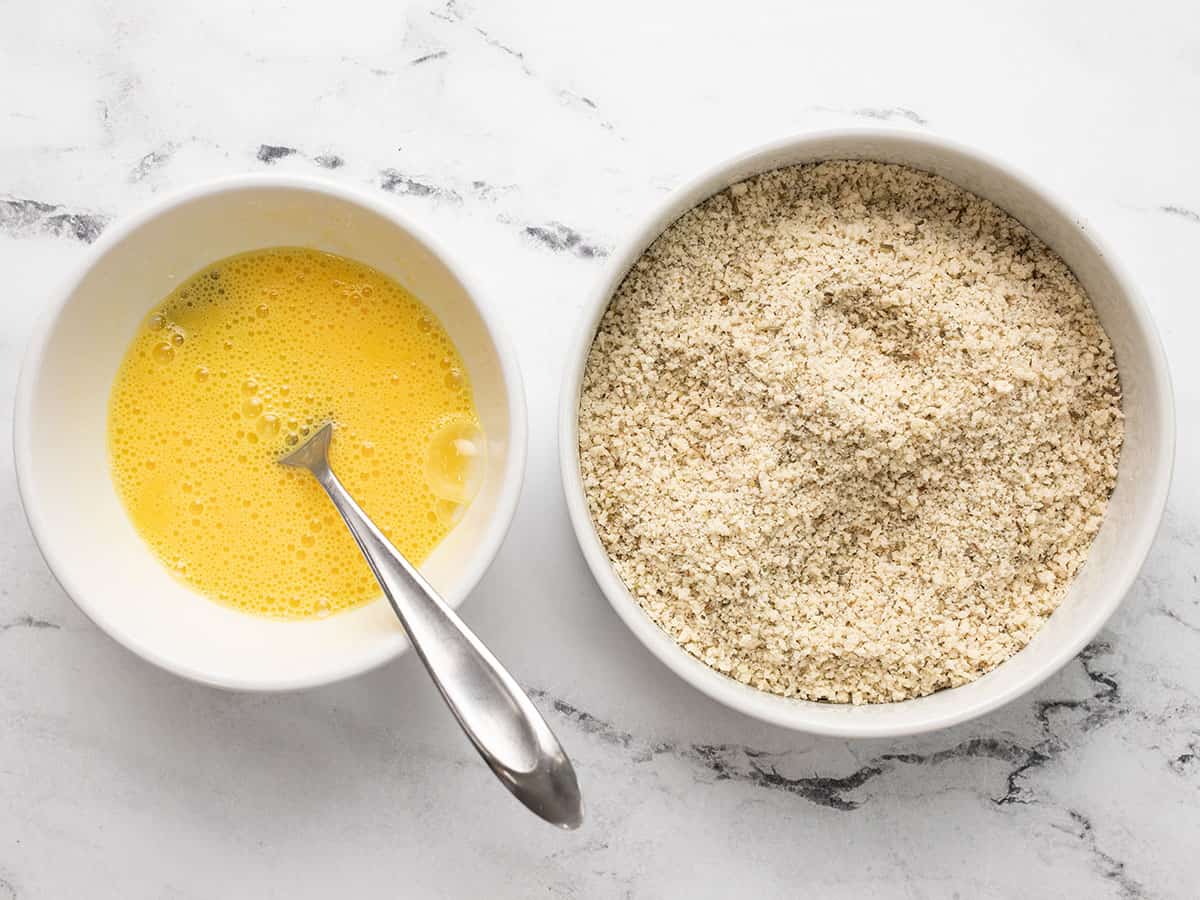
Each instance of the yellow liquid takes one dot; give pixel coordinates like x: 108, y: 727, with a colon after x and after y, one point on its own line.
x: 242, y: 361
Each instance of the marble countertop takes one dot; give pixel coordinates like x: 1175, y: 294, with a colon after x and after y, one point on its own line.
x: 531, y: 136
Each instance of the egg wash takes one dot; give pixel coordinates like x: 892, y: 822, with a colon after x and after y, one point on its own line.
x: 241, y: 362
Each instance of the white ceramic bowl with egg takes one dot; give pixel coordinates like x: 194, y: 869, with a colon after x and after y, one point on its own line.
x: 1137, y: 502
x: 60, y: 428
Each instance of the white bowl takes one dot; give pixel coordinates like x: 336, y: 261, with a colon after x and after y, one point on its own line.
x: 1142, y: 482
x: 60, y: 429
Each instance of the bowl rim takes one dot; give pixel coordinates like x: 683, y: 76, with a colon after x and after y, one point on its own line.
x: 796, y: 714
x: 55, y: 552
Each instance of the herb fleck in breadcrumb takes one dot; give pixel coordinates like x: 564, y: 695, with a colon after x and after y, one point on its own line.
x: 847, y: 432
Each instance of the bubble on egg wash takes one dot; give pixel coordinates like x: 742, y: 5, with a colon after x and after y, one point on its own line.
x: 455, y: 460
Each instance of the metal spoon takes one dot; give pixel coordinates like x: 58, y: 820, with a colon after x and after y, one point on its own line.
x: 501, y: 721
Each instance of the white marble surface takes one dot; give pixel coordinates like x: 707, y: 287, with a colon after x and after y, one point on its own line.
x: 531, y: 135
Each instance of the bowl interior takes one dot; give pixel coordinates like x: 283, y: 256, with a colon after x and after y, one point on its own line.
x: 61, y: 434
x: 1134, y: 511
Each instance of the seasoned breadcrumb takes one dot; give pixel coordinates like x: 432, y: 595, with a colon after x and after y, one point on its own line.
x: 847, y: 432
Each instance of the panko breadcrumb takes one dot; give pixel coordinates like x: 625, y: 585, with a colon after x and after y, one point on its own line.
x: 847, y: 432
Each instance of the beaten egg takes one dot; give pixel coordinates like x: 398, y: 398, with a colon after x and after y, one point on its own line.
x: 241, y: 362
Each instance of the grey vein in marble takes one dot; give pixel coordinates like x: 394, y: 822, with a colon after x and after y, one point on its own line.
x: 396, y: 182
x: 1109, y: 866
x: 1182, y: 211
x: 878, y: 113
x: 489, y: 192
x: 1184, y: 762
x: 888, y: 113
x: 271, y: 153
x: 562, y: 238
x: 1176, y: 617
x: 28, y: 621
x: 155, y: 159
x: 552, y: 235
x: 429, y: 57
x: 374, y: 70
x: 729, y: 762
x: 453, y: 14
x: 23, y: 218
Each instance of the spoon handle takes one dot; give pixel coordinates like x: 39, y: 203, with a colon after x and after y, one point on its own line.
x: 501, y: 721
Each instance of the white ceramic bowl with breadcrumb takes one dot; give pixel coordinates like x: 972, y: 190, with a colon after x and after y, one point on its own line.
x: 1134, y: 511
